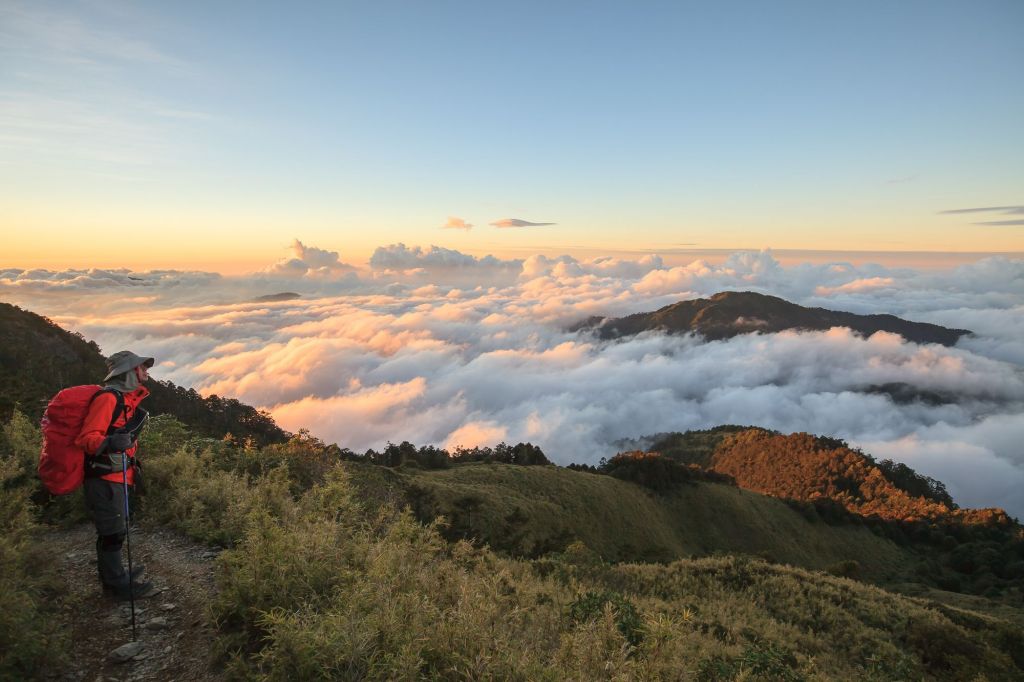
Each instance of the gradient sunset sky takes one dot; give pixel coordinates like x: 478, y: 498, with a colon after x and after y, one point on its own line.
x: 209, y: 135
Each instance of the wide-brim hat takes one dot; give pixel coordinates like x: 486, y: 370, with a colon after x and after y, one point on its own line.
x: 124, y: 361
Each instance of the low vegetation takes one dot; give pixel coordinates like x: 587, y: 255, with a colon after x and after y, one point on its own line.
x: 321, y: 580
x: 30, y: 634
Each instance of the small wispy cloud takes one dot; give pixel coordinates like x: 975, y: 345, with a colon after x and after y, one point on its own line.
x: 999, y: 210
x: 456, y: 223
x: 72, y: 92
x: 76, y: 36
x: 1005, y: 210
x: 517, y: 222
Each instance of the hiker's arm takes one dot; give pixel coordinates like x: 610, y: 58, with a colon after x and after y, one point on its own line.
x: 94, y: 428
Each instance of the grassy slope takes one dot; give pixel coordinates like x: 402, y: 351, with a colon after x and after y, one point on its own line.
x: 623, y: 521
x: 316, y: 586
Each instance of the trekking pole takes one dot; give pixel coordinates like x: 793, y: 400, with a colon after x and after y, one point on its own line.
x: 128, y: 537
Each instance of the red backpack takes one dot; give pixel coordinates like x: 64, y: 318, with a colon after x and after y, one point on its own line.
x: 61, y: 462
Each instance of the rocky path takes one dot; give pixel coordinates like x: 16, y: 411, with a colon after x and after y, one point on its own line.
x: 171, y: 625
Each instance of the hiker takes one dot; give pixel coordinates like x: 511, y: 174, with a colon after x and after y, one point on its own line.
x: 108, y: 437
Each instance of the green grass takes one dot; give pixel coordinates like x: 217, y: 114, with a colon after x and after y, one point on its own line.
x: 545, y: 508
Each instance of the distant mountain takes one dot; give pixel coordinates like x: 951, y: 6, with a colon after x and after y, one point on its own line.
x: 732, y: 313
x: 38, y: 358
x: 272, y: 298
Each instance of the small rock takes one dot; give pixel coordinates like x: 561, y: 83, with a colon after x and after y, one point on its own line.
x: 168, y: 649
x: 158, y: 623
x: 168, y: 607
x: 125, y: 652
x: 210, y: 554
x: 126, y: 611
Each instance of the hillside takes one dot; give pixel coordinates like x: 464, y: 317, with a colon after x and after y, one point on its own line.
x: 532, y: 510
x: 732, y: 313
x: 976, y: 550
x: 317, y: 582
x: 805, y: 467
x: 38, y: 358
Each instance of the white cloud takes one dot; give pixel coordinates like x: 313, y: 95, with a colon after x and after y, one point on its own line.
x: 439, y: 347
x: 863, y: 284
x: 310, y: 261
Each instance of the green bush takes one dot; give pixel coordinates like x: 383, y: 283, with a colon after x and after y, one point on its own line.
x: 845, y: 569
x: 592, y: 605
x: 30, y: 637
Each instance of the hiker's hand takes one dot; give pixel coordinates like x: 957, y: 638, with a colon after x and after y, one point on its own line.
x: 119, y: 442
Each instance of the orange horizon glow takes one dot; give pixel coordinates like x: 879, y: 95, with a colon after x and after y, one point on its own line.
x: 258, y: 260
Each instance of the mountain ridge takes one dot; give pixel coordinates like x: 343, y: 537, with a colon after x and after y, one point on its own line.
x: 38, y: 358
x: 732, y: 313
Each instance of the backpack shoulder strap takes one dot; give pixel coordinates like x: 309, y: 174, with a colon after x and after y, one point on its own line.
x: 119, y: 407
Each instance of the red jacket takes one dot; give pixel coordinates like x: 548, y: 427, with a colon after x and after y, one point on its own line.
x: 94, y: 429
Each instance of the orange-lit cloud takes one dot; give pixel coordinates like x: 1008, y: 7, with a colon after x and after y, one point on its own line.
x: 476, y: 434
x: 456, y: 223
x: 856, y: 285
x: 463, y: 350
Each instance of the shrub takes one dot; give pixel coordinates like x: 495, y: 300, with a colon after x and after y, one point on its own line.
x: 845, y: 569
x: 592, y: 605
x: 30, y: 638
x: 941, y: 645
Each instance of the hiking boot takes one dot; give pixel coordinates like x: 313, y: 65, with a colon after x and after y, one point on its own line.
x: 137, y: 572
x: 115, y: 579
x: 137, y: 591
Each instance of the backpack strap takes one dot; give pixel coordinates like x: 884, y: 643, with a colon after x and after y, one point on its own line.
x: 119, y: 407
x: 100, y: 465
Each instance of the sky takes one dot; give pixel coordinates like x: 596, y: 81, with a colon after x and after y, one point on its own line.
x: 447, y: 186
x: 210, y: 135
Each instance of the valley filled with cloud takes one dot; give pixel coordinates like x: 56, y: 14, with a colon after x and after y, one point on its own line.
x: 435, y: 346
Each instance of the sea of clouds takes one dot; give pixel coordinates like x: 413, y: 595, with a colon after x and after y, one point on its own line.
x: 439, y: 347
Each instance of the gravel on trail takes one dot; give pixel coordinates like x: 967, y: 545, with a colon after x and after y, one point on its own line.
x: 171, y: 625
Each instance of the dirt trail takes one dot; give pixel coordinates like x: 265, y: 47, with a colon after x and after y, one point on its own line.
x: 171, y: 625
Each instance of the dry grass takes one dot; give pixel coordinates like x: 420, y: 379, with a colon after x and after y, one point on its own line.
x: 318, y: 585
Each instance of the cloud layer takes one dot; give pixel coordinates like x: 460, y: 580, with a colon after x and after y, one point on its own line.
x: 439, y: 347
x: 517, y: 222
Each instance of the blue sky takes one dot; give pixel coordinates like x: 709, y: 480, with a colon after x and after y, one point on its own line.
x: 217, y: 126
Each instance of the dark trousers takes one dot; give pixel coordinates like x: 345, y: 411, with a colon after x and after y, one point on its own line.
x: 105, y: 502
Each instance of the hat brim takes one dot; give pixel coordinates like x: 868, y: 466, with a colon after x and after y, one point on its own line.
x: 143, y: 362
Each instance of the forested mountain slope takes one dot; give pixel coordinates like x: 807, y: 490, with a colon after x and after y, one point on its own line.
x: 732, y: 313
x: 38, y: 358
